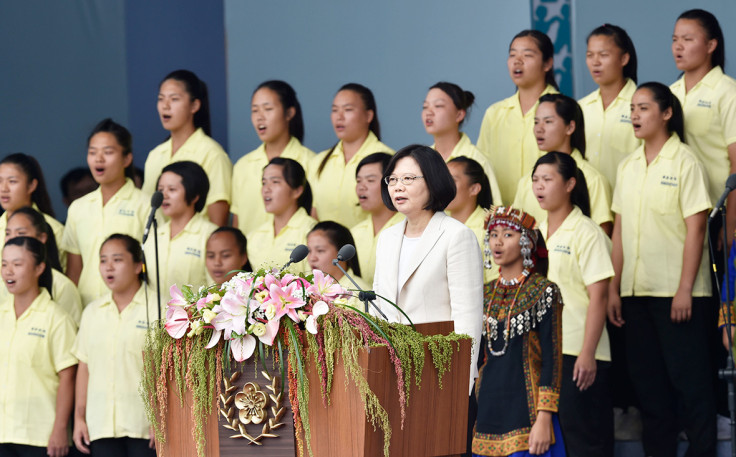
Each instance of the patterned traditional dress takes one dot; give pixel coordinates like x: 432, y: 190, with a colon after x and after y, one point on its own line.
x: 513, y: 386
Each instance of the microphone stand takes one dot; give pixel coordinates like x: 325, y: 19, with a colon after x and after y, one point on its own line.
x: 158, y: 280
x: 729, y: 372
x: 366, y: 297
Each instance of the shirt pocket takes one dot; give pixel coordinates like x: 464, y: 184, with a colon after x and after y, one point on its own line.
x: 699, y: 118
x: 666, y: 196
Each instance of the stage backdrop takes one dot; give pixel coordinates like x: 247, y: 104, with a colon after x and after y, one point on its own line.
x: 397, y: 49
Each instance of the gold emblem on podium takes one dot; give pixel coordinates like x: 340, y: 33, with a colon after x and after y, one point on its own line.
x: 251, y: 406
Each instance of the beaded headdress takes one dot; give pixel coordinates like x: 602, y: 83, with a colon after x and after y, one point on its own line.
x: 514, y: 219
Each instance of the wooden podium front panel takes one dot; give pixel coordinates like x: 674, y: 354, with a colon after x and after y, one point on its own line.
x: 180, y: 440
x: 436, y: 419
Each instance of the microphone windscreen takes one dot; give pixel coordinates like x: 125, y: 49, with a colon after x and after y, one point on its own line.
x: 156, y: 199
x: 731, y: 182
x: 298, y: 254
x: 346, y: 253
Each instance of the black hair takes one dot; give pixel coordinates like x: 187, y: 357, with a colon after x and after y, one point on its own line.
x: 370, y: 105
x: 194, y: 179
x: 437, y: 177
x: 569, y: 110
x: 122, y: 136
x: 545, y: 47
x: 339, y: 236
x: 133, y: 246
x: 462, y: 99
x: 712, y: 28
x: 623, y: 42
x: 377, y: 157
x: 72, y: 177
x: 38, y: 251
x: 295, y: 177
x: 567, y: 168
x: 240, y: 241
x: 197, y: 90
x: 474, y: 171
x: 39, y: 224
x: 31, y: 168
x: 287, y: 97
x: 665, y: 99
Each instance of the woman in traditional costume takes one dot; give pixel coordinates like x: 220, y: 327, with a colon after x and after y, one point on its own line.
x: 518, y: 387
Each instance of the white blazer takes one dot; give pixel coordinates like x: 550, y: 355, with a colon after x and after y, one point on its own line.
x: 444, y: 279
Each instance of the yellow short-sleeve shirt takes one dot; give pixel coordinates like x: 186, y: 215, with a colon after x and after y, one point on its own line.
x: 268, y: 250
x: 507, y: 139
x: 599, y: 193
x: 475, y: 223
x: 609, y: 136
x: 365, y: 244
x: 710, y: 124
x: 89, y: 223
x: 34, y: 348
x: 579, y: 255
x: 334, y: 189
x: 247, y: 202
x: 56, y: 227
x: 464, y: 148
x: 653, y: 202
x: 110, y: 342
x: 181, y: 259
x: 198, y: 148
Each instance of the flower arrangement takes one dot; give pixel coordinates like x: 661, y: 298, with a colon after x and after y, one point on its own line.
x: 293, y: 317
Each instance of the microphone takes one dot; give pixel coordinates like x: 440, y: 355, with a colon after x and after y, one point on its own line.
x: 156, y: 199
x: 730, y: 185
x: 346, y: 253
x: 298, y: 254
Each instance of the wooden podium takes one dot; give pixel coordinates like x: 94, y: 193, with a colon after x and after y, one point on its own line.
x: 435, y: 425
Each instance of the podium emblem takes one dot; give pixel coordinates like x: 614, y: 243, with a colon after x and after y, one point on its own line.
x: 249, y: 406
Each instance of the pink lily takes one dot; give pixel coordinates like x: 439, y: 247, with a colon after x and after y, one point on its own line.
x: 177, y: 321
x: 325, y: 286
x: 283, y: 300
x: 204, y: 301
x: 177, y: 298
x: 233, y: 314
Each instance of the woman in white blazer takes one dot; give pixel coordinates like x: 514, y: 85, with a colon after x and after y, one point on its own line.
x: 430, y: 264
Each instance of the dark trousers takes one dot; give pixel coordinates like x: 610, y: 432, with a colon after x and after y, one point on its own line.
x: 121, y: 447
x: 670, y: 367
x: 586, y: 417
x: 21, y: 450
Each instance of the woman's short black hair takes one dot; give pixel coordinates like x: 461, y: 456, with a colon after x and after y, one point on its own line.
x: 194, y: 179
x: 339, y: 236
x: 437, y: 176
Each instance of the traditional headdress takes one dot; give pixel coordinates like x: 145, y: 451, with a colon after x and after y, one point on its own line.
x: 514, y: 219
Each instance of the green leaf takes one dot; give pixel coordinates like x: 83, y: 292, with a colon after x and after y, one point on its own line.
x: 186, y: 290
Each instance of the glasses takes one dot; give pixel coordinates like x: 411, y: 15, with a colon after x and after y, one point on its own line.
x: 406, y: 180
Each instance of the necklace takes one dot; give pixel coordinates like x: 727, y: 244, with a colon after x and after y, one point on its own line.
x: 514, y: 281
x: 489, y: 319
